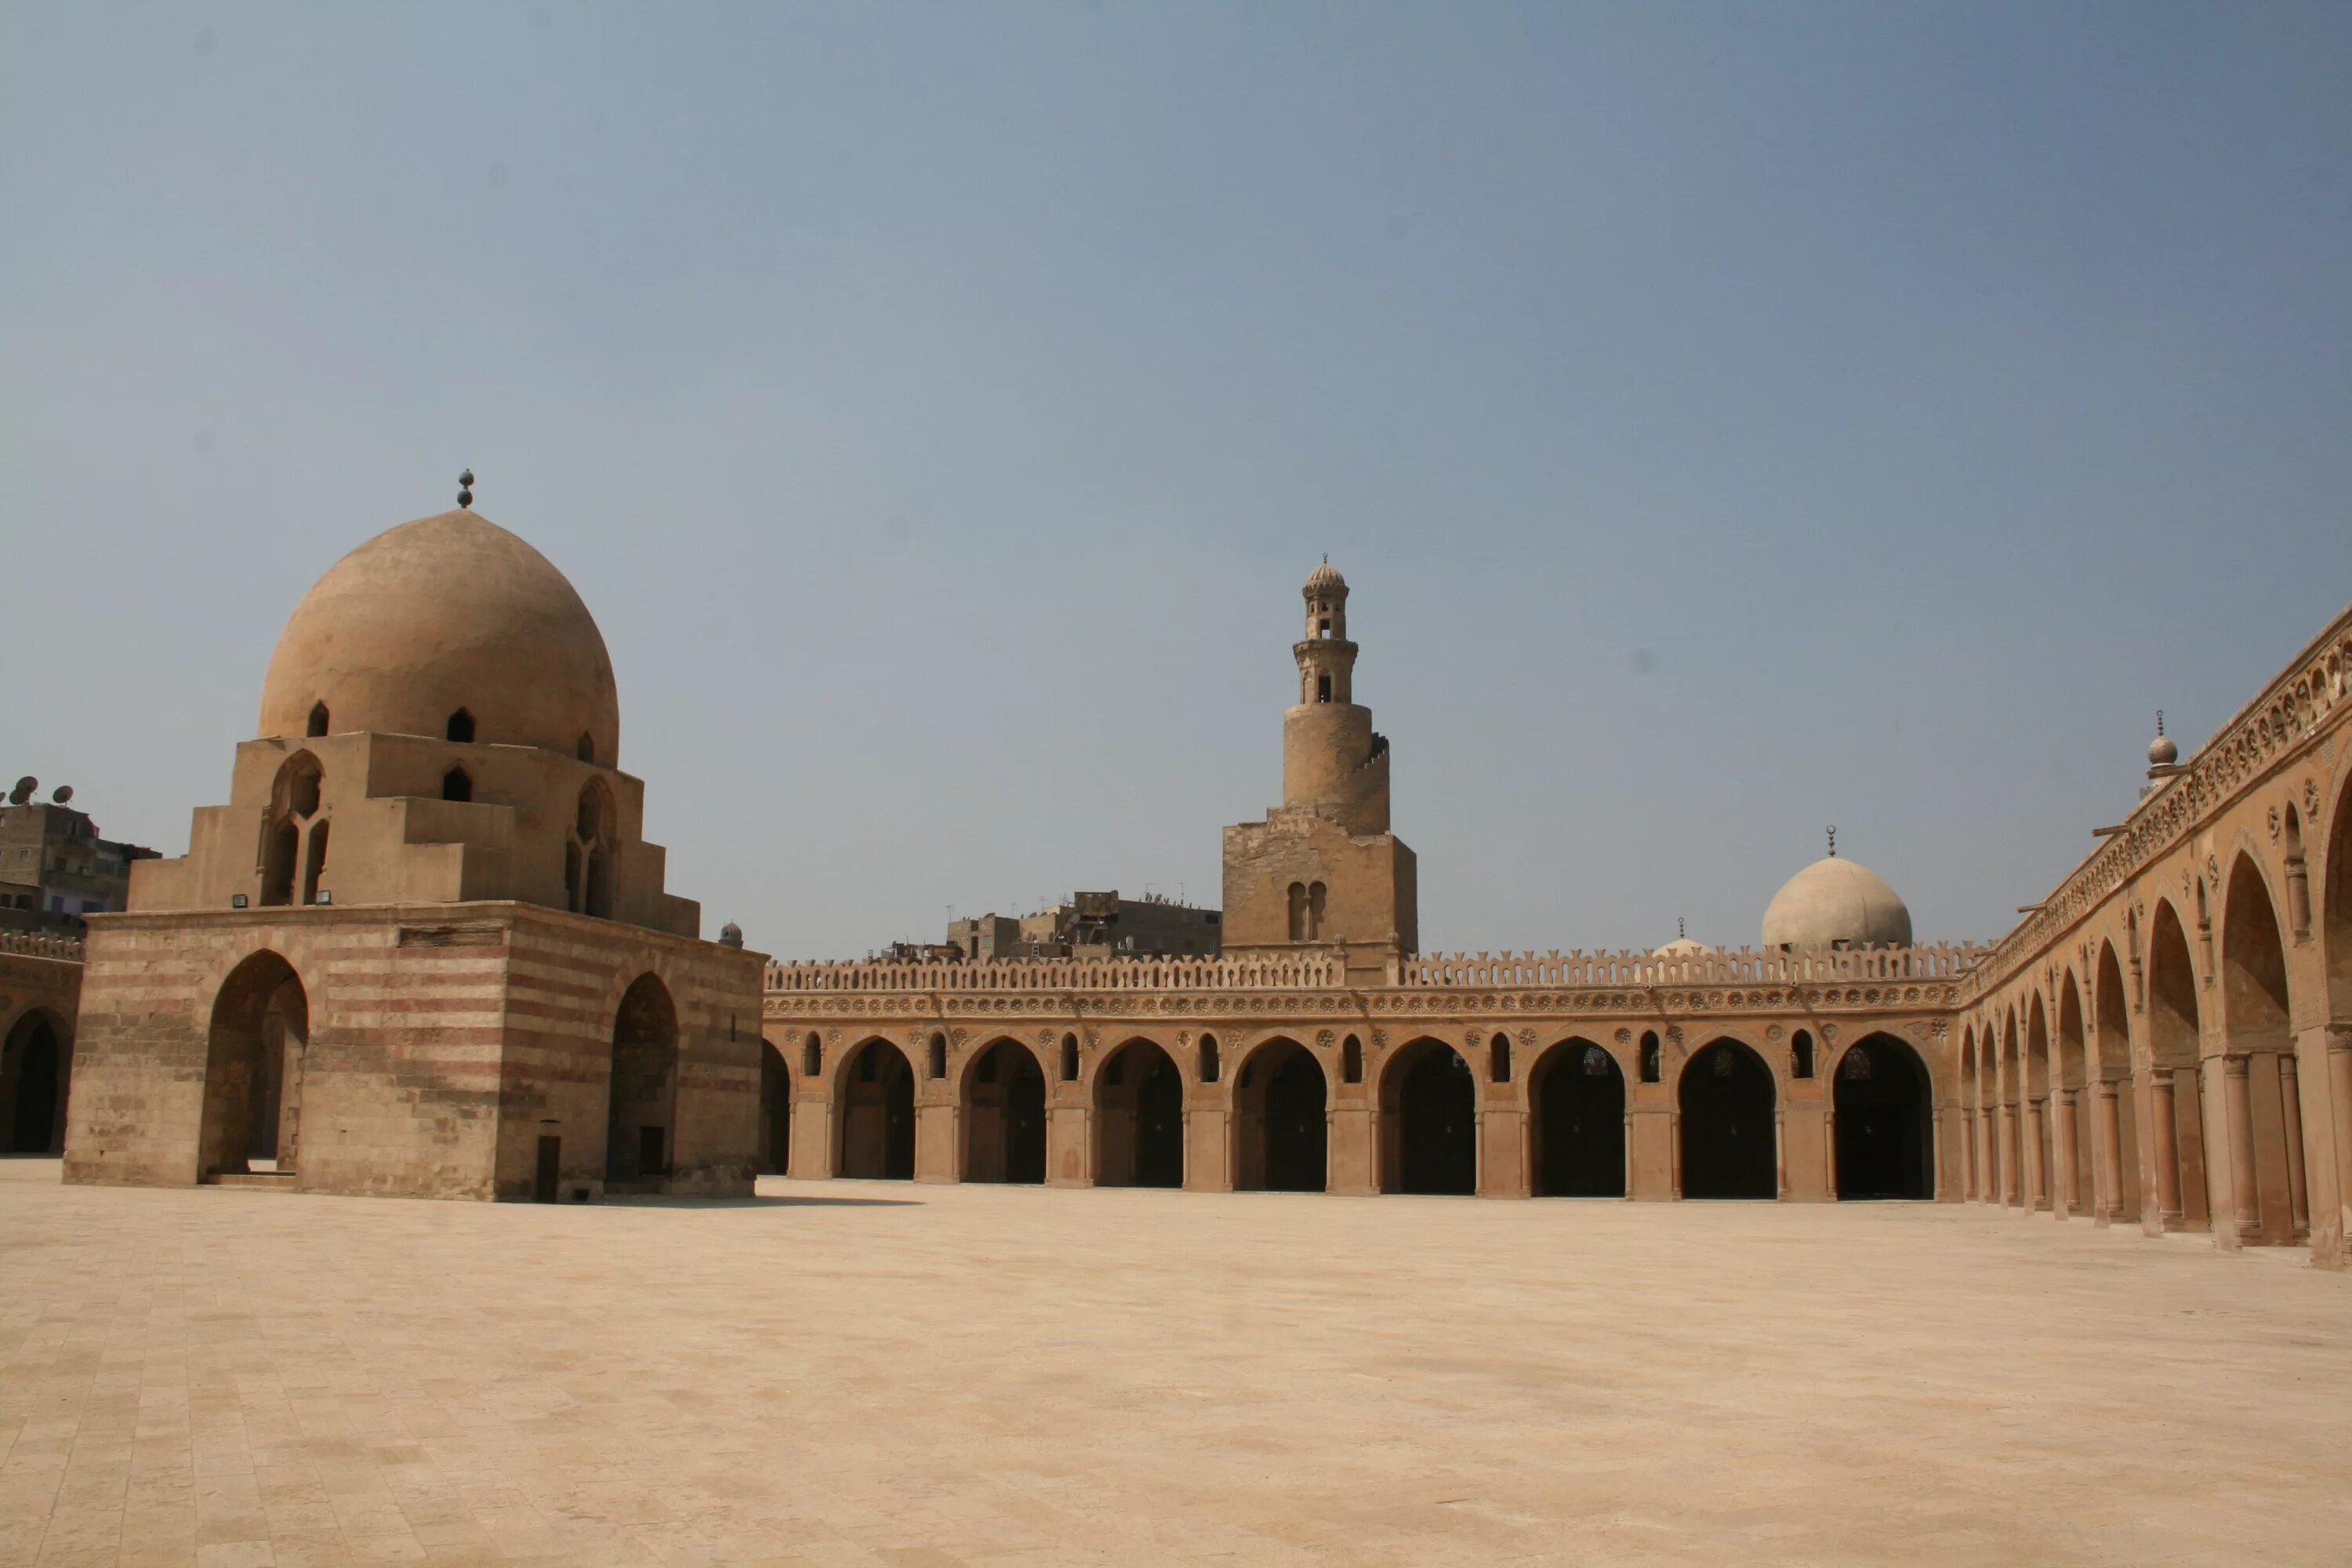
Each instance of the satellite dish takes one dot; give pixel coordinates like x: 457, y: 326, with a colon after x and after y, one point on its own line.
x: 62, y: 794
x: 24, y: 790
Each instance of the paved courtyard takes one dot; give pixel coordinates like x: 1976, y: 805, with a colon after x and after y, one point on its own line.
x: 873, y: 1373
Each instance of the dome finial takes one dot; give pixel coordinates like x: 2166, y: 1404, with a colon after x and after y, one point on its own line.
x: 1832, y: 841
x: 1679, y: 932
x: 466, y: 488
x: 2162, y: 752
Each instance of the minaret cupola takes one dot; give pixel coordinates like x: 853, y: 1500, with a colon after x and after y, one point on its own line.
x: 1327, y: 659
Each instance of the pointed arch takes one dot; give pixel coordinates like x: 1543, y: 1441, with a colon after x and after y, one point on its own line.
x: 36, y: 1069
x: 1729, y: 1125
x: 1002, y: 1127
x: 2176, y: 1120
x: 775, y: 1111
x: 2116, y: 1130
x: 1428, y: 1120
x: 874, y: 1112
x: 2035, y: 1114
x: 641, y: 1102
x: 253, y: 1054
x: 1576, y: 1128
x: 1885, y: 1122
x: 2069, y: 1077
x: 1280, y: 1123
x: 2261, y: 1108
x: 1138, y: 1118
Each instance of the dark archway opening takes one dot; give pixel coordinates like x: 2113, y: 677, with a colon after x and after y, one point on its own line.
x: 1429, y: 1118
x: 640, y: 1122
x: 1884, y: 1146
x: 1140, y: 1119
x: 877, y: 1096
x: 1579, y: 1123
x: 34, y: 1067
x: 253, y: 1070
x: 1282, y: 1139
x: 1004, y: 1116
x: 1729, y: 1145
x: 775, y: 1113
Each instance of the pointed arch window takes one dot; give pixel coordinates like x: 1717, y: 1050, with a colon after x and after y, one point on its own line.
x: 461, y: 726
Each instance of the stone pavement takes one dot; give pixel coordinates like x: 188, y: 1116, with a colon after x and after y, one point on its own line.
x: 846, y: 1373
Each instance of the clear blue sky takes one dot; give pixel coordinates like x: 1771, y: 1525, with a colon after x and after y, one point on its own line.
x: 1732, y: 419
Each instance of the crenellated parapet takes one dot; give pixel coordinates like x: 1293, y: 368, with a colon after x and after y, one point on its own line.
x: 2300, y: 707
x: 39, y: 945
x: 1314, y: 983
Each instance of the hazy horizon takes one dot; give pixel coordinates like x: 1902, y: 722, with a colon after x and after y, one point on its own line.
x: 1730, y: 421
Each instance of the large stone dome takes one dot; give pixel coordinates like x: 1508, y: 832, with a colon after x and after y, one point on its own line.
x: 1833, y: 904
x: 439, y: 614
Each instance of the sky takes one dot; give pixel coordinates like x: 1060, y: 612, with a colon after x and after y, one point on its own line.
x: 1731, y: 419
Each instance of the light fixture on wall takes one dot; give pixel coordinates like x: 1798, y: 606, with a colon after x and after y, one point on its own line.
x: 325, y: 896
x: 237, y: 901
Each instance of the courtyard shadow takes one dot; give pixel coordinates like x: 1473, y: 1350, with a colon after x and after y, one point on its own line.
x: 653, y: 1202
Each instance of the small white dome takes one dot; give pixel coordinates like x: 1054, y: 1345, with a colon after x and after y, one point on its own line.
x: 1835, y: 903
x: 1681, y: 947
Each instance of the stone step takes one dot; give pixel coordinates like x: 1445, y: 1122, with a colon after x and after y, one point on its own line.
x: 256, y: 1181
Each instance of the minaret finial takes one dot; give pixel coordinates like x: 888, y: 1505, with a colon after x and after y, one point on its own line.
x: 2159, y: 721
x: 1832, y: 841
x: 466, y: 488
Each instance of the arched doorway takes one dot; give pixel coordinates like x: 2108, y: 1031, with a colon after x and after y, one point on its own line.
x: 1885, y: 1119
x: 1730, y: 1146
x: 775, y: 1113
x: 2260, y: 1099
x: 36, y: 1064
x: 640, y: 1120
x: 1004, y: 1116
x: 873, y: 1100
x: 2176, y: 1118
x: 254, y: 1053
x: 1429, y: 1121
x: 1577, y: 1130
x: 1138, y: 1118
x: 1281, y: 1139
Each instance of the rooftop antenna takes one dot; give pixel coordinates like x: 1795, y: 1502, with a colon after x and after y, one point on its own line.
x: 466, y: 488
x: 1832, y: 841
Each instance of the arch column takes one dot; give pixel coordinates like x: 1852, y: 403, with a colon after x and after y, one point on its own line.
x: 2331, y: 1209
x: 2037, y: 1169
x: 2111, y: 1151
x: 2245, y: 1209
x: 1502, y: 1149
x: 1988, y: 1176
x: 2009, y: 1150
x: 1208, y: 1142
x: 2298, y: 1195
x: 2069, y: 1197
x: 2166, y: 1136
x: 938, y: 1129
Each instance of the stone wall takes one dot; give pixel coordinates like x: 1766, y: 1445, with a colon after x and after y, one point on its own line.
x: 441, y: 1042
